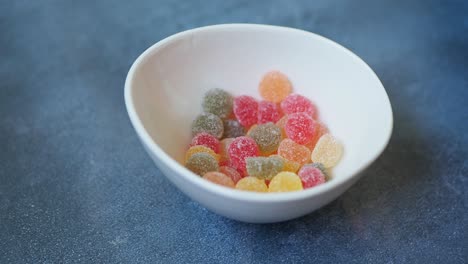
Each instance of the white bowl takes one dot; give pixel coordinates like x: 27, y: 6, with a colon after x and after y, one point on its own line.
x: 165, y: 85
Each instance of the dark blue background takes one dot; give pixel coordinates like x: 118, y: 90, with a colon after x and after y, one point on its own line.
x: 76, y: 185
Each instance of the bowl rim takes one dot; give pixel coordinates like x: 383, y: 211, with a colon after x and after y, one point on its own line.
x: 215, y: 189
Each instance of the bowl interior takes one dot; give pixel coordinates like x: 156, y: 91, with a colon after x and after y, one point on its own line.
x: 172, y: 76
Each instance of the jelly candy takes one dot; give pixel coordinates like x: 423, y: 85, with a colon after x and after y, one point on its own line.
x: 311, y: 176
x: 206, y: 140
x: 288, y: 164
x: 296, y: 103
x: 267, y: 136
x: 209, y: 123
x: 200, y: 149
x: 281, y: 123
x: 268, y: 112
x: 231, y: 173
x: 264, y: 167
x: 219, y: 178
x: 201, y: 163
x: 245, y: 110
x: 224, y: 146
x: 320, y: 130
x: 327, y: 151
x: 300, y: 127
x: 233, y: 129
x: 240, y: 149
x: 274, y: 86
x: 252, y: 184
x: 318, y: 166
x: 292, y: 151
x: 285, y: 182
x: 218, y: 102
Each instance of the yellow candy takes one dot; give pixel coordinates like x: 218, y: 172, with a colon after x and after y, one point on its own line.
x: 285, y: 182
x: 198, y: 149
x: 327, y: 151
x: 252, y: 184
x: 289, y: 165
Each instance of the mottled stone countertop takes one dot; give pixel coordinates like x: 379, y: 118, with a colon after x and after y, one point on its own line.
x: 77, y: 186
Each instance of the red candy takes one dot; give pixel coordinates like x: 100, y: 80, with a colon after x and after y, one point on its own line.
x: 296, y: 103
x: 268, y: 112
x: 245, y: 110
x: 311, y: 176
x: 241, y: 148
x: 206, y: 140
x: 300, y: 127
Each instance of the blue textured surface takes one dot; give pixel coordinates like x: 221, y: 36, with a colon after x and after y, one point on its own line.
x: 76, y: 185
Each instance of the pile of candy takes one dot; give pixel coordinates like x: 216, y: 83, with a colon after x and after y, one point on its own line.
x: 273, y: 145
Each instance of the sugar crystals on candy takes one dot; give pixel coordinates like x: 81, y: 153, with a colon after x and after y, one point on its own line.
x: 209, y: 123
x: 218, y: 102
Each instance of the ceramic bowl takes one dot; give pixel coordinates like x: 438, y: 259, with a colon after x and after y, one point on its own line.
x: 165, y: 85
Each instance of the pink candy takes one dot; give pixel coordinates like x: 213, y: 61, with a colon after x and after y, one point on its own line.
x: 311, y: 176
x: 296, y: 103
x: 240, y: 149
x: 245, y: 110
x: 268, y: 112
x: 300, y: 127
x: 206, y: 140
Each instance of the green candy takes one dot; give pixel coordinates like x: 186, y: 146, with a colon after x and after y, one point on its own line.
x: 201, y: 163
x: 209, y: 123
x: 267, y: 136
x: 264, y: 167
x: 218, y: 102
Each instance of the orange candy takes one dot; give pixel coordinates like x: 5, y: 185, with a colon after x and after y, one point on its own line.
x: 219, y: 178
x: 231, y: 173
x: 275, y: 86
x: 281, y: 123
x: 223, y: 148
x: 292, y: 151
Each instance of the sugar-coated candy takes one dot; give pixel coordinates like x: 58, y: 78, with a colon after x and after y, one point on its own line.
x: 200, y: 149
x: 296, y: 103
x: 268, y: 112
x: 201, y: 163
x: 218, y: 102
x: 300, y: 127
x: 252, y: 184
x: 274, y: 86
x: 285, y: 182
x: 219, y: 178
x: 290, y: 150
x: 264, y: 167
x: 240, y: 149
x: 245, y: 110
x: 288, y: 164
x: 327, y: 151
x: 320, y: 130
x: 223, y: 148
x: 233, y: 129
x: 231, y: 173
x: 311, y: 176
x: 267, y: 136
x: 281, y: 123
x: 209, y: 123
x: 207, y: 140
x: 318, y: 166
